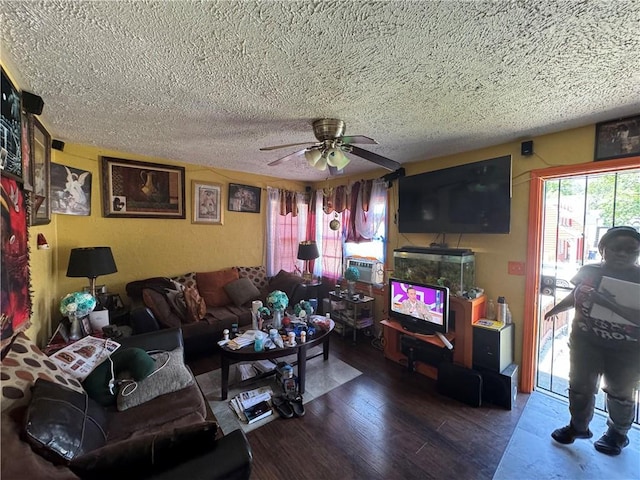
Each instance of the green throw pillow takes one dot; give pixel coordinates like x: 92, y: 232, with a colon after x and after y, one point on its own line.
x: 133, y: 360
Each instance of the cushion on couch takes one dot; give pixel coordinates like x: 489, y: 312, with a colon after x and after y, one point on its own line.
x: 257, y: 275
x: 62, y: 423
x: 284, y: 281
x: 18, y: 459
x: 211, y: 286
x: 170, y: 374
x: 195, y: 306
x: 161, y: 308
x: 22, y: 365
x: 142, y: 455
x: 135, y: 361
x: 187, y: 279
x: 241, y: 291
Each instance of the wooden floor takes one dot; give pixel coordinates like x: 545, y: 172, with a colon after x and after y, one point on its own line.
x: 385, y: 424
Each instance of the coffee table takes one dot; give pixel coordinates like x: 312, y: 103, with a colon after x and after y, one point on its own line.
x: 248, y: 354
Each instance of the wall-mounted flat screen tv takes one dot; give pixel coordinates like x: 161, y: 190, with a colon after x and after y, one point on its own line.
x: 471, y: 198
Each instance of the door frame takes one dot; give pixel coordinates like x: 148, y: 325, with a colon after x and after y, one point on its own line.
x: 535, y: 226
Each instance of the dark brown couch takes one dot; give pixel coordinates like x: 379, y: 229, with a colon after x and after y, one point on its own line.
x: 171, y: 436
x: 227, y: 296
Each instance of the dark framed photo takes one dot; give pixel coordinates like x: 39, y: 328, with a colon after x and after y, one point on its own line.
x: 11, y: 124
x: 618, y: 138
x: 41, y: 166
x: 142, y: 190
x: 70, y: 190
x: 244, y: 198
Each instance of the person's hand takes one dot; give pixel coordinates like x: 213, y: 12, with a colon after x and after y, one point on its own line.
x: 549, y: 315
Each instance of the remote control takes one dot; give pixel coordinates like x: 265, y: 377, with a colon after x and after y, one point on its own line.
x: 444, y: 339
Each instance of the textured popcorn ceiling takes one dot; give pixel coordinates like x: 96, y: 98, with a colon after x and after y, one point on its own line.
x: 210, y: 82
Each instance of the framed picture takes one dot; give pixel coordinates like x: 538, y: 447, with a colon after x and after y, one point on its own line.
x: 11, y: 138
x: 16, y: 306
x: 70, y: 190
x: 41, y: 165
x: 142, y: 190
x: 244, y: 198
x: 27, y: 155
x: 207, y: 202
x: 618, y: 138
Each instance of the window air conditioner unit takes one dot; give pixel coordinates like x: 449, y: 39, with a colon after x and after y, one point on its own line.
x: 371, y: 271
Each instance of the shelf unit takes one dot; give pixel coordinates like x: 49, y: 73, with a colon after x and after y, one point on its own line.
x: 467, y: 312
x: 350, y: 313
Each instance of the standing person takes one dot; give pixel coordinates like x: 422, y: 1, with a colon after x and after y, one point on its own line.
x: 604, y: 340
x: 414, y: 307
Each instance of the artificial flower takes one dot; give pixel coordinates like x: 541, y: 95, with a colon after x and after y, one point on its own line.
x: 77, y: 304
x: 352, y: 274
x: 278, y: 300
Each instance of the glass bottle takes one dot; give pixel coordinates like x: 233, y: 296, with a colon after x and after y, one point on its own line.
x: 491, y: 310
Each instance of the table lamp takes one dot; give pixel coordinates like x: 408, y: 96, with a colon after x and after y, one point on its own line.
x: 91, y: 262
x: 307, y: 250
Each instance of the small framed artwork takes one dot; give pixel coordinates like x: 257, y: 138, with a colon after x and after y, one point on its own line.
x: 142, y: 190
x: 11, y: 138
x: 41, y: 164
x: 207, y: 202
x: 27, y: 154
x: 244, y: 198
x: 618, y: 138
x: 70, y: 190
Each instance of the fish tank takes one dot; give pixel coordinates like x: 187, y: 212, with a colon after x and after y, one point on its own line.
x: 449, y: 268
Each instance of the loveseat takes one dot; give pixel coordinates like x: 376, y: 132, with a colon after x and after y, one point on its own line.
x: 173, y: 435
x: 203, y: 304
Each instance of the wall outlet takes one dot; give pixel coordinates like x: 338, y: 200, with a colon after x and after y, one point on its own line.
x: 516, y: 268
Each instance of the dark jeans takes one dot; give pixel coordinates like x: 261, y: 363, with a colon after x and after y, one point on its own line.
x: 621, y: 371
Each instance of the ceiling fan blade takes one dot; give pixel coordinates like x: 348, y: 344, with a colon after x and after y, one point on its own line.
x: 286, y: 158
x: 385, y: 162
x: 358, y: 139
x: 266, y: 149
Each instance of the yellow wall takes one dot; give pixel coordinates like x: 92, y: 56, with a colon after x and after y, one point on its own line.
x: 142, y: 247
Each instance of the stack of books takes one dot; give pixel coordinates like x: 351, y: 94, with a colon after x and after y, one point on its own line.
x: 252, y: 405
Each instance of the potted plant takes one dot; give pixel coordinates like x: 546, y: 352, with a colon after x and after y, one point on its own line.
x: 352, y: 274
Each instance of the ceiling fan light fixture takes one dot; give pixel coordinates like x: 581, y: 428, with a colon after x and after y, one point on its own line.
x: 321, y: 164
x: 312, y: 156
x: 335, y: 158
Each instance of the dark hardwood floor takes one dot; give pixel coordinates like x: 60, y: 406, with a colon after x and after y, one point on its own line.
x: 385, y: 424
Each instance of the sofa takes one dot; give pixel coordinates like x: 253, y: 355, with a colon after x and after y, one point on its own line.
x: 51, y: 427
x: 203, y: 304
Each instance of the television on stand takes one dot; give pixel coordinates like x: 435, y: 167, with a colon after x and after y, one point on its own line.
x: 420, y: 307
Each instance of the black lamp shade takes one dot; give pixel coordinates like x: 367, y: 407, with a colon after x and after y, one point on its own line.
x: 91, y: 262
x: 308, y: 251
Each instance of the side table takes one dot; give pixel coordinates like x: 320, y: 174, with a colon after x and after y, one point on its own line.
x: 352, y: 313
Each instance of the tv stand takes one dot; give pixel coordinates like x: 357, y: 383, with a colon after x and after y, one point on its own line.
x: 461, y: 336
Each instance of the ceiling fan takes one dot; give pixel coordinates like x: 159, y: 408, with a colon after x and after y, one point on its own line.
x: 332, y: 145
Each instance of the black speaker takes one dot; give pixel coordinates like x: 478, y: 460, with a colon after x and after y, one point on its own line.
x: 460, y: 383
x: 526, y: 148
x: 32, y: 103
x: 547, y: 285
x: 493, y: 349
x: 57, y: 145
x: 419, y: 351
x: 500, y: 388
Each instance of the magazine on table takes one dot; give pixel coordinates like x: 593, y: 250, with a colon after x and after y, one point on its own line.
x: 81, y: 357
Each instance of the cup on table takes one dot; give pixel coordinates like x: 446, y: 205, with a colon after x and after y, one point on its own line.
x: 258, y: 344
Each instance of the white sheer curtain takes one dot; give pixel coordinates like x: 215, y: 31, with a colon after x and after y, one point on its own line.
x: 368, y: 223
x: 285, y: 232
